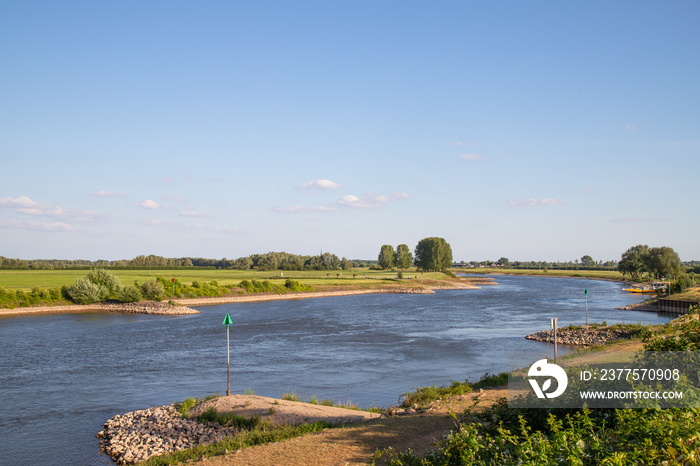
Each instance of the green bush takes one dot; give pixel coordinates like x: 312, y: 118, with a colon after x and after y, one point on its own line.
x: 187, y: 404
x: 581, y: 437
x: 152, y: 290
x: 295, y: 285
x: 105, y: 279
x: 256, y: 286
x: 86, y: 292
x: 129, y: 294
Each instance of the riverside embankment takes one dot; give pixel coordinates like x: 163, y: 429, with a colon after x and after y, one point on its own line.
x: 179, y: 306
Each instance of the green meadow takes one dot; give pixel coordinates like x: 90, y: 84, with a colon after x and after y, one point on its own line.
x: 26, y: 280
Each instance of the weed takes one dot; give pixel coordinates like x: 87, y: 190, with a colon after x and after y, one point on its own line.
x: 229, y: 419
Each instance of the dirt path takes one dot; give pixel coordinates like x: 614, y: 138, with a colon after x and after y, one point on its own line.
x: 355, y: 445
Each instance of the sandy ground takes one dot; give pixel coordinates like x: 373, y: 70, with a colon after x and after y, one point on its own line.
x: 282, y: 412
x: 356, y: 443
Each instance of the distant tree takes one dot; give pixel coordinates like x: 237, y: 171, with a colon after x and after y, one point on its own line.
x: 664, y: 261
x: 345, y: 263
x: 634, y: 261
x: 503, y: 261
x: 433, y: 254
x: 387, y: 257
x: 587, y: 261
x: 404, y: 258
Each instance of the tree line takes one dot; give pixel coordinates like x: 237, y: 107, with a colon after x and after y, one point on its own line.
x: 430, y: 254
x: 267, y: 261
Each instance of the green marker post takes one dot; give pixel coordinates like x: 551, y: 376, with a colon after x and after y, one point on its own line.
x: 585, y: 292
x: 227, y: 322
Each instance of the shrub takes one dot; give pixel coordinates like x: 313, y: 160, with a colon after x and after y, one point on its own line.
x: 105, y: 279
x: 129, y: 294
x: 86, y: 292
x: 187, y: 404
x: 229, y: 419
x: 152, y: 290
x: 295, y: 285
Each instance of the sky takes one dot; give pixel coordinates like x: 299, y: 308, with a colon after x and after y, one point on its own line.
x: 539, y: 130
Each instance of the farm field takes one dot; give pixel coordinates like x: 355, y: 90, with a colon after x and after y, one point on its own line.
x: 25, y: 280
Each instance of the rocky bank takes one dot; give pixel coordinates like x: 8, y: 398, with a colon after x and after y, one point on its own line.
x: 136, y: 436
x: 584, y: 336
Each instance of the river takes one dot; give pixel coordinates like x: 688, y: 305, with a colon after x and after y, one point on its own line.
x: 62, y: 376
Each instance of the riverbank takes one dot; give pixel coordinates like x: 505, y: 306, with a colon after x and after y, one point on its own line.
x: 582, y: 336
x: 141, y: 307
x: 136, y: 436
x: 179, y: 306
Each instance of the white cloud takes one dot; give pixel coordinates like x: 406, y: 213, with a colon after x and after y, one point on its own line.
x: 472, y: 156
x: 534, y: 202
x: 368, y: 201
x: 397, y: 195
x: 320, y: 184
x: 24, y: 205
x: 21, y: 201
x: 150, y: 205
x: 36, y: 226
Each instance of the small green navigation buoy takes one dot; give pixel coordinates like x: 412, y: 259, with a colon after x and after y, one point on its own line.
x: 227, y: 321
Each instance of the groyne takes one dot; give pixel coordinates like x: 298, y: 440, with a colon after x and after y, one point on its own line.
x: 141, y: 307
x: 584, y: 336
x: 136, y: 436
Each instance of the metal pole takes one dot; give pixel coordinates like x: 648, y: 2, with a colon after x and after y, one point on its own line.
x: 553, y: 324
x: 228, y: 365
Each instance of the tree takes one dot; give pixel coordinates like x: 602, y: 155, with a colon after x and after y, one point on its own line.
x: 403, y: 258
x: 387, y: 257
x: 433, y: 254
x: 634, y: 261
x: 503, y: 261
x: 664, y: 261
x: 587, y: 261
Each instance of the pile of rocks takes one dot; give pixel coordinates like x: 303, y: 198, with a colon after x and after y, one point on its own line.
x: 146, y: 307
x: 136, y: 436
x: 585, y: 336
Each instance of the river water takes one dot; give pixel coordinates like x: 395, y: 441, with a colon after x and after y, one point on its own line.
x: 63, y: 376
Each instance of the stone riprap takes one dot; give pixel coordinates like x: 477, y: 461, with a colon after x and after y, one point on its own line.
x: 146, y: 307
x: 586, y: 336
x: 134, y: 437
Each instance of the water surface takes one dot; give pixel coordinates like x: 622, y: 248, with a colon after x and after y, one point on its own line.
x: 63, y: 376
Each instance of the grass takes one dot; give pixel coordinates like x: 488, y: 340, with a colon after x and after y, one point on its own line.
x: 599, y: 274
x: 28, y: 279
x: 423, y: 397
x: 314, y: 400
x: 258, y: 436
x: 229, y: 419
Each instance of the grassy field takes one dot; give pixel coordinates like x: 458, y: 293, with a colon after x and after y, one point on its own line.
x: 25, y: 280
x: 599, y: 274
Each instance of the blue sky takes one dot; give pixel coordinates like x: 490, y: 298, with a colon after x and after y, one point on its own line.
x: 539, y: 130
